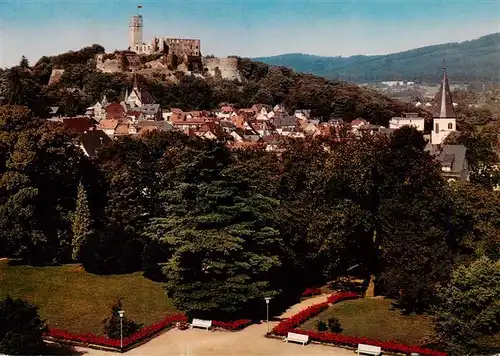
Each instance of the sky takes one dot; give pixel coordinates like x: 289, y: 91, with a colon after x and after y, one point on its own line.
x: 248, y: 28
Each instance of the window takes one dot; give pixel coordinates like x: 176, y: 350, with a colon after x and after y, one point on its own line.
x: 437, y: 127
x: 450, y: 126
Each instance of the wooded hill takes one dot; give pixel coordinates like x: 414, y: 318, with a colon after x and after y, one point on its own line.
x: 475, y: 60
x: 28, y: 85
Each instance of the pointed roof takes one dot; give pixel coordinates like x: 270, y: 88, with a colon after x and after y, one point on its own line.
x: 444, y: 105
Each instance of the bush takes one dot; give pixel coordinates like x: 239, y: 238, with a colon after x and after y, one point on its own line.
x: 321, y: 326
x: 112, y: 324
x: 334, y: 325
x: 20, y: 328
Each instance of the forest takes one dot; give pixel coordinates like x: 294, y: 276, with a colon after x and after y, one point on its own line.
x: 475, y: 60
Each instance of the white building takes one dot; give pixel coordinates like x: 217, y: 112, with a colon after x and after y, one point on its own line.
x: 444, y: 120
x: 409, y: 119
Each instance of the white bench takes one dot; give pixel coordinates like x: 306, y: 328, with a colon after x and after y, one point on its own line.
x: 200, y: 323
x: 303, y: 339
x: 369, y: 349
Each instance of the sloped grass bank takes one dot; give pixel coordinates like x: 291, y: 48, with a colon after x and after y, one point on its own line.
x: 71, y: 299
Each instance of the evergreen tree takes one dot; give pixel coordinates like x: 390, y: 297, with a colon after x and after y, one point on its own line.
x: 112, y: 324
x: 81, y: 223
x: 224, y: 250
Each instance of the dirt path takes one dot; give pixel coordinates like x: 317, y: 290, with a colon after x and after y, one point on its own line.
x: 250, y: 341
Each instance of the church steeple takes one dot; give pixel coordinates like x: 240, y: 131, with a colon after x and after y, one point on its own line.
x: 444, y: 107
x: 135, y: 82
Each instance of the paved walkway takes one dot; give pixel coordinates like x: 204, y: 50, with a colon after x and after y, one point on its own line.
x: 250, y: 341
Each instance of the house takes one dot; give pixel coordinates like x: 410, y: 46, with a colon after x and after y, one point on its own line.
x: 408, y: 119
x: 115, y: 111
x: 226, y: 112
x: 151, y: 111
x: 137, y: 98
x: 284, y: 123
x: 453, y: 160
x: 302, y: 114
x: 444, y: 119
x: 108, y: 126
x: 92, y: 141
x: 311, y: 129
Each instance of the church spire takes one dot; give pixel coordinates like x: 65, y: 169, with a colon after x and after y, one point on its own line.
x: 444, y: 107
x: 135, y: 82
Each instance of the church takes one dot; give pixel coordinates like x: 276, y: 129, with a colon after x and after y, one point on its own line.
x: 444, y: 119
x: 453, y: 158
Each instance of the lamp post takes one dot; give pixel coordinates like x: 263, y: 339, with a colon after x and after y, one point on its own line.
x: 120, y: 313
x: 267, y: 299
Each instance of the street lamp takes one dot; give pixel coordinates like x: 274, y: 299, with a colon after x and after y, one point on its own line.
x: 120, y: 313
x: 267, y: 309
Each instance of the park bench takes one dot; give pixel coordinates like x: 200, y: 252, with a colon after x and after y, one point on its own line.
x: 303, y: 339
x: 200, y: 323
x: 369, y: 349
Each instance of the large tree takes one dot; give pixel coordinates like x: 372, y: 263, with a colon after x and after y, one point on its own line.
x: 467, y: 316
x: 413, y: 221
x: 223, y: 248
x: 40, y: 168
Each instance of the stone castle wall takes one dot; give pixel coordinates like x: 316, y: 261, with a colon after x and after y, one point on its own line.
x: 183, y: 47
x: 226, y: 68
x: 109, y: 65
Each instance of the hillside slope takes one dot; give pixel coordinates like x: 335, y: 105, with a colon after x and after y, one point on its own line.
x: 467, y: 61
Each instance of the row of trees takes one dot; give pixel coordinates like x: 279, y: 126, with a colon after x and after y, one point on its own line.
x: 224, y: 228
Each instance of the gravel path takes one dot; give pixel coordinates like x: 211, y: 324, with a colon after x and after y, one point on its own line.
x: 250, y: 341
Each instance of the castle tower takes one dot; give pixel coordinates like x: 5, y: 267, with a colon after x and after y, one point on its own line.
x: 444, y: 118
x: 135, y: 31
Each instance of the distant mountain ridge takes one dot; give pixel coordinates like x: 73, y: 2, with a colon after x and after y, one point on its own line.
x: 474, y: 60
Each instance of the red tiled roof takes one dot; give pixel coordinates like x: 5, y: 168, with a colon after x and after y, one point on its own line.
x: 108, y: 124
x: 115, y: 111
x: 78, y: 124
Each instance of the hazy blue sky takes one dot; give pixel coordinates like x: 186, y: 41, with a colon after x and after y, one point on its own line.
x: 245, y: 27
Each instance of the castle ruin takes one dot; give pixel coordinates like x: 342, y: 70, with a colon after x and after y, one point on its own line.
x: 170, y: 54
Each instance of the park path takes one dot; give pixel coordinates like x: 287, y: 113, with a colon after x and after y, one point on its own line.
x: 249, y: 341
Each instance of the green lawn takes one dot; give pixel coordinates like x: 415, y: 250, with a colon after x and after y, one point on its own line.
x: 376, y: 319
x: 72, y: 299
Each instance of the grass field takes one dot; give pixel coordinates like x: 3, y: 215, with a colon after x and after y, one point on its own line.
x: 72, y: 299
x: 376, y: 319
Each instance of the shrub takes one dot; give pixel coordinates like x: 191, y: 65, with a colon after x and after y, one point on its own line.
x: 334, y: 325
x: 20, y: 328
x: 113, y: 327
x: 321, y: 326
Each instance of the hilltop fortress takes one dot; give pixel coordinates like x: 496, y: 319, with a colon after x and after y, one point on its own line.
x: 166, y: 55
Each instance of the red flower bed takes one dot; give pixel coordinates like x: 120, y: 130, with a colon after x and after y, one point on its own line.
x: 333, y: 338
x: 144, y: 333
x: 338, y: 297
x: 328, y: 337
x: 232, y: 325
x: 311, y: 291
x: 294, y: 321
